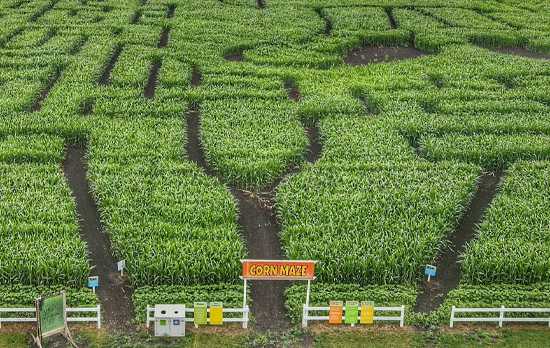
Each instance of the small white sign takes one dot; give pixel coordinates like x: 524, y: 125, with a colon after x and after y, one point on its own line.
x: 121, y: 266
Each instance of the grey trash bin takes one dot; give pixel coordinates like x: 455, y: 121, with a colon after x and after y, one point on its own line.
x: 170, y: 320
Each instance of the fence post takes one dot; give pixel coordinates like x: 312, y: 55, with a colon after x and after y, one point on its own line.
x: 501, y: 316
x: 245, y: 317
x: 1, y: 320
x: 304, y: 316
x: 147, y: 316
x: 402, y: 321
x: 452, y: 316
x: 99, y: 316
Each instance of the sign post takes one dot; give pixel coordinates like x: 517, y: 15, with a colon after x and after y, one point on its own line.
x: 93, y: 282
x: 51, y: 318
x: 430, y: 271
x: 121, y: 265
x: 278, y: 270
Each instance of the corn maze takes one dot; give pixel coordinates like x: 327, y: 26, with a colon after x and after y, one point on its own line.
x: 410, y: 103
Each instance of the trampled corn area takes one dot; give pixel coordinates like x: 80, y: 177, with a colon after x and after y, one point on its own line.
x: 404, y: 144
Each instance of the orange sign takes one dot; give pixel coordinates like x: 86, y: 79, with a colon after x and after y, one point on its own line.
x: 278, y: 270
x: 335, y: 312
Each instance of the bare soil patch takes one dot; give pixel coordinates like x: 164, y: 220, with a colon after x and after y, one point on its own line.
x: 293, y: 92
x: 193, y: 147
x: 366, y: 55
x: 448, y: 269
x: 114, y: 292
x: 234, y: 57
x: 196, y: 78
x: 88, y: 110
x: 518, y: 51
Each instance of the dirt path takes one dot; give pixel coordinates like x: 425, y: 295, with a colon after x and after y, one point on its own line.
x: 164, y: 38
x: 391, y: 19
x: 518, y: 51
x: 328, y: 25
x: 38, y: 105
x: 259, y: 229
x: 259, y: 226
x: 114, y: 293
x: 43, y: 11
x: 366, y: 55
x: 151, y: 86
x: 171, y: 10
x: 238, y: 57
x: 105, y: 78
x: 88, y: 110
x: 196, y: 78
x: 315, y: 147
x: 293, y: 92
x: 448, y: 268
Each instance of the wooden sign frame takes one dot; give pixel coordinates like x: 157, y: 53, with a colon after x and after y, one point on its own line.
x: 64, y: 331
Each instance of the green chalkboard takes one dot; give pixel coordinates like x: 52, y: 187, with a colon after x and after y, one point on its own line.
x: 51, y: 314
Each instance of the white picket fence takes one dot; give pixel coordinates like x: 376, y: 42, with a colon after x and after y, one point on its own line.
x: 245, y: 311
x: 500, y: 319
x: 96, y: 319
x: 401, y: 318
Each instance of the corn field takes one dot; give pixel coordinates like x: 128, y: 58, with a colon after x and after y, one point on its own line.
x: 404, y: 141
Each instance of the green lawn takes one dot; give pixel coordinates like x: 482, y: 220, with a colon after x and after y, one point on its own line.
x: 536, y: 337
x: 503, y: 338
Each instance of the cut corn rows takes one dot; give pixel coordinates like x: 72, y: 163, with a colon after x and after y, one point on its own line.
x: 39, y: 239
x: 513, y: 241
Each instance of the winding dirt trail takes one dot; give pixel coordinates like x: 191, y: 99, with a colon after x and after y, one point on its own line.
x: 258, y: 223
x: 114, y: 293
x: 448, y: 269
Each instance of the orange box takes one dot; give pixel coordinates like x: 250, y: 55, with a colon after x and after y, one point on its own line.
x: 278, y: 270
